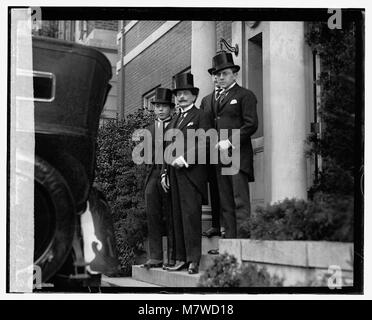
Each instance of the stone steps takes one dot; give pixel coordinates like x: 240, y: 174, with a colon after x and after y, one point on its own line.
x: 160, y: 277
x: 124, y: 282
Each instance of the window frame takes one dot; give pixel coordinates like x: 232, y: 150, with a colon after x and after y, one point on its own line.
x: 147, y: 97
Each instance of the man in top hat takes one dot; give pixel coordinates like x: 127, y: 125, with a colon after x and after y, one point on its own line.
x: 207, y: 104
x: 157, y: 202
x: 234, y: 108
x: 186, y: 179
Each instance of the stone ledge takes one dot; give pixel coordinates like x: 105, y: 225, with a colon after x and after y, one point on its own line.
x: 124, y: 282
x: 164, y: 278
x: 309, y: 254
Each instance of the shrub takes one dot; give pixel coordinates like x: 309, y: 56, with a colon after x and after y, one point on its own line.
x: 121, y: 180
x: 223, y: 273
x: 336, y: 144
x: 226, y: 272
x: 326, y: 218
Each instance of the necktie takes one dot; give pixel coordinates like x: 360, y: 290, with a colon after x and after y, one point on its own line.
x: 180, y: 118
x: 218, y: 93
x: 220, y: 98
x: 222, y: 95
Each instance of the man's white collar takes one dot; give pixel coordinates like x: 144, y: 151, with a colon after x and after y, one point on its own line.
x: 233, y: 84
x: 187, y: 108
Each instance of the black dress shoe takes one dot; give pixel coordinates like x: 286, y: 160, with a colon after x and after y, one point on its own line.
x: 211, y: 232
x: 179, y: 265
x: 152, y: 263
x: 193, y: 268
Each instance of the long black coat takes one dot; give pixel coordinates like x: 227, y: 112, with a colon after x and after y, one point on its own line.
x: 238, y: 110
x: 150, y: 167
x: 188, y: 187
x: 196, y: 173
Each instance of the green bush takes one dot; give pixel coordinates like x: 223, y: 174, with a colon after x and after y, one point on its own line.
x: 226, y: 272
x: 327, y: 218
x: 121, y: 180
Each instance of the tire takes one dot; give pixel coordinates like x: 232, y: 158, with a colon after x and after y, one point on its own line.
x: 54, y: 218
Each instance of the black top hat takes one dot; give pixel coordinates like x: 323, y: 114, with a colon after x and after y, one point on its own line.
x: 163, y: 95
x: 185, y: 81
x: 223, y: 60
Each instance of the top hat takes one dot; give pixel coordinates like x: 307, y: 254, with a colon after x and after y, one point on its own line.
x: 163, y: 95
x: 223, y: 60
x: 185, y: 81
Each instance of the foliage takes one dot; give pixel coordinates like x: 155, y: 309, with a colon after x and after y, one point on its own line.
x: 122, y: 182
x: 336, y: 144
x: 223, y: 273
x: 327, y: 218
x: 226, y: 272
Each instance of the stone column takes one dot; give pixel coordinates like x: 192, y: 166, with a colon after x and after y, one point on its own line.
x: 285, y: 111
x: 203, y: 48
x: 237, y: 38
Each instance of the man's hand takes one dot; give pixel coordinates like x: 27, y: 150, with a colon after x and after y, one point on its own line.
x: 165, y: 183
x: 179, y: 162
x: 224, y: 145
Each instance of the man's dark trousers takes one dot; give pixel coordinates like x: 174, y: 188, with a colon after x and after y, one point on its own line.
x: 235, y: 204
x: 186, y: 204
x: 158, y: 215
x: 215, y: 196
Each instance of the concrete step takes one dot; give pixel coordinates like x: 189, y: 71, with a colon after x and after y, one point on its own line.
x: 123, y: 282
x: 160, y: 277
x: 164, y: 278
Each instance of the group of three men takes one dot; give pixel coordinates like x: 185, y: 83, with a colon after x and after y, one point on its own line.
x: 176, y: 189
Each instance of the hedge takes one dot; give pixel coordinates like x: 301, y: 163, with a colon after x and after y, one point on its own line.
x: 122, y: 182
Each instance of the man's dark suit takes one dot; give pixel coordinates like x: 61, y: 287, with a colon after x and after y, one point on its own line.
x: 207, y: 104
x: 188, y: 190
x: 158, y: 204
x: 237, y: 110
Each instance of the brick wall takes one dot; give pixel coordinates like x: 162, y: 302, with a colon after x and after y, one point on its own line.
x: 140, y: 32
x: 157, y: 64
x: 223, y: 30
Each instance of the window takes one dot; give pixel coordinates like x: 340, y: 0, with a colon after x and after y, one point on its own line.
x: 147, y: 98
x: 44, y: 85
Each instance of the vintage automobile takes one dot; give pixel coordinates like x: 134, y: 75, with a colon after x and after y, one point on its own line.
x: 73, y: 233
